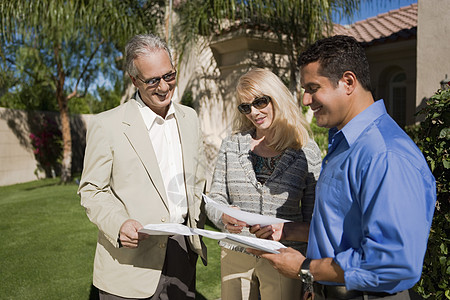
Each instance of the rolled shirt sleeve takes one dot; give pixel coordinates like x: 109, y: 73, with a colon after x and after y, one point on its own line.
x: 396, y: 219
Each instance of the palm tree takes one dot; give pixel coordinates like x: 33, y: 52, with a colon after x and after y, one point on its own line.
x: 296, y: 23
x: 69, y: 40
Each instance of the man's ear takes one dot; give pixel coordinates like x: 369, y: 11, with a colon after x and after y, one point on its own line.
x: 133, y: 80
x: 349, y: 80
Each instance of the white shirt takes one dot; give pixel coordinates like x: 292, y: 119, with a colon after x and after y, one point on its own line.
x: 165, y: 139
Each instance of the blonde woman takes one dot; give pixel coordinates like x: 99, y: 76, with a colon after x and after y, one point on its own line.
x: 268, y: 165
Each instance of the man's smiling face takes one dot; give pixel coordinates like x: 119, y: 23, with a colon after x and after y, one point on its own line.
x: 155, y: 64
x: 327, y: 100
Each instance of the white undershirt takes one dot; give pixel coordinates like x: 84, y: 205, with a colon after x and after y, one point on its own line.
x: 165, y: 139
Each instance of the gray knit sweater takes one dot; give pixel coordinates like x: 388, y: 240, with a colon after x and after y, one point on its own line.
x: 288, y: 193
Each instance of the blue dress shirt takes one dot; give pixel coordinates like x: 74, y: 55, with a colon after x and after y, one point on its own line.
x: 375, y: 200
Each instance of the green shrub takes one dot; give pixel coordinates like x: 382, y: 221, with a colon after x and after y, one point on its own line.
x: 320, y: 135
x: 432, y: 137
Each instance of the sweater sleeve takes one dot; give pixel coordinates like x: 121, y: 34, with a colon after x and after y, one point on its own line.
x: 219, y: 191
x: 314, y: 160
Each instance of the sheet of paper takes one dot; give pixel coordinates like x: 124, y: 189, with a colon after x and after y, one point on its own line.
x: 249, y: 218
x: 244, y: 241
x: 167, y: 229
x: 255, y: 243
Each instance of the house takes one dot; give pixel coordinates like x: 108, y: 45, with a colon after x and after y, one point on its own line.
x: 390, y: 41
x: 407, y: 49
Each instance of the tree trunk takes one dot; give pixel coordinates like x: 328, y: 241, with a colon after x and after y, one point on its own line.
x: 66, y: 163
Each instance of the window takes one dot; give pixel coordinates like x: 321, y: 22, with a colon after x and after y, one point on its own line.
x: 397, y: 98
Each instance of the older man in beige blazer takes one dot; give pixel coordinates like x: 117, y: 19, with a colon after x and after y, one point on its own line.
x: 144, y: 164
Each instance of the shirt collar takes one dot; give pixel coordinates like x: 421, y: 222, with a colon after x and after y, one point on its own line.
x: 360, y: 122
x: 149, y: 115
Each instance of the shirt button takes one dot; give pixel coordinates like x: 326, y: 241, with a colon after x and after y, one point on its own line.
x: 163, y: 219
x: 326, y: 162
x: 162, y: 245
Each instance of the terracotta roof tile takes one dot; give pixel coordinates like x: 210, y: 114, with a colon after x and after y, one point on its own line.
x: 391, y: 25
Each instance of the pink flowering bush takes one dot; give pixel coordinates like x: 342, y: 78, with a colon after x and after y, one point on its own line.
x: 47, y: 145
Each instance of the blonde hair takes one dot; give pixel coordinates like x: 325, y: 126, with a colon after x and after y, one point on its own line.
x: 289, y: 127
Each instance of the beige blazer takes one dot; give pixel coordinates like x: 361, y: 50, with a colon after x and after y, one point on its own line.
x: 121, y: 180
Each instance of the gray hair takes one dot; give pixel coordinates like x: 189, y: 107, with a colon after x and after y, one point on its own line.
x: 141, y: 45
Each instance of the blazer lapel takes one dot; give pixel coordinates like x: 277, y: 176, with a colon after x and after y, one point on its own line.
x: 135, y: 130
x: 188, y: 132
x: 185, y: 132
x: 244, y: 140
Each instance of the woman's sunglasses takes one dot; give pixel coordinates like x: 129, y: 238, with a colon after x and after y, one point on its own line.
x: 258, y: 103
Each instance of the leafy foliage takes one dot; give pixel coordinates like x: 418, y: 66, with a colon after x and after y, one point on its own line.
x: 433, y: 138
x: 30, y: 96
x: 187, y: 99
x: 320, y: 135
x: 64, y: 44
x: 107, y: 98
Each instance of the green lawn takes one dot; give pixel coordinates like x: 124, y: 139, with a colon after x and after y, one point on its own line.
x: 47, y: 245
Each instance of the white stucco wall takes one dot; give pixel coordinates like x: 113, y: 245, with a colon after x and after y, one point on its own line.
x: 433, y: 47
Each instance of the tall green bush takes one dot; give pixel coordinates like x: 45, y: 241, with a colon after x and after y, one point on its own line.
x: 320, y: 135
x: 432, y: 137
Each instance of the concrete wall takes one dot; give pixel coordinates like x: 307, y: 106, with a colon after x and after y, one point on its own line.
x: 17, y: 160
x: 433, y: 49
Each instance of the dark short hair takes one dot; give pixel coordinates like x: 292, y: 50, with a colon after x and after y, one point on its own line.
x: 336, y: 55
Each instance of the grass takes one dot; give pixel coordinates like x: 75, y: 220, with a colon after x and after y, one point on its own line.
x: 48, y: 245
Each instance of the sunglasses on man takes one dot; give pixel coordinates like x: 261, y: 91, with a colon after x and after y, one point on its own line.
x: 156, y: 80
x: 258, y: 103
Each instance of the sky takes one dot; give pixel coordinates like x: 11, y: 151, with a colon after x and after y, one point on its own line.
x: 375, y: 7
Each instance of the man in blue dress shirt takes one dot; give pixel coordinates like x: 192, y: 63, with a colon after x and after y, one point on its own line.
x: 375, y: 197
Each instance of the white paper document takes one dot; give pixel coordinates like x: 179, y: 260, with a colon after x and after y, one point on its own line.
x: 244, y: 241
x: 249, y: 218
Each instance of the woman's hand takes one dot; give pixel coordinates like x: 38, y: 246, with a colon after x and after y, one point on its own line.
x: 269, y: 232
x: 233, y: 225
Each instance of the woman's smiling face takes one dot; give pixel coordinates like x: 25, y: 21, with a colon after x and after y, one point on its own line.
x: 261, y: 118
